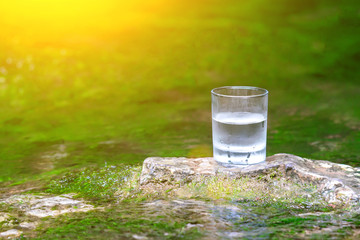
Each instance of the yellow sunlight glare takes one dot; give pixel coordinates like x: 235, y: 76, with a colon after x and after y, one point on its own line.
x: 49, y: 19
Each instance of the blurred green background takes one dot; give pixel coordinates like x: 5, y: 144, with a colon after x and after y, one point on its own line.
x: 84, y: 83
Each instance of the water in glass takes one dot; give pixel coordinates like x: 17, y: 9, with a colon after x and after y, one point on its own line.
x: 239, y: 137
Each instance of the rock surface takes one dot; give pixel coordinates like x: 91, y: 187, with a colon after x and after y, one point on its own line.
x: 337, y: 183
x: 213, y: 219
x: 31, y: 208
x: 45, y: 206
x: 4, y: 217
x: 12, y: 233
x: 28, y: 225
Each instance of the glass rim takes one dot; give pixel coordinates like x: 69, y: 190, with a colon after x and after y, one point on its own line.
x: 265, y: 92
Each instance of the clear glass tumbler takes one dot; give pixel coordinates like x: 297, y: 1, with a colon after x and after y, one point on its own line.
x: 239, y: 123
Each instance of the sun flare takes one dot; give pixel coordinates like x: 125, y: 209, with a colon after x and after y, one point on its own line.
x: 44, y: 19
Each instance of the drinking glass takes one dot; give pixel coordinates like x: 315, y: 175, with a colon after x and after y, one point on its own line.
x: 239, y: 123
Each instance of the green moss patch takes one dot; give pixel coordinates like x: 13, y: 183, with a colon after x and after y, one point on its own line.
x: 99, y: 184
x: 116, y: 224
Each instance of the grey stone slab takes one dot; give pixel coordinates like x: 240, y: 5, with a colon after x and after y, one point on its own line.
x: 336, y: 182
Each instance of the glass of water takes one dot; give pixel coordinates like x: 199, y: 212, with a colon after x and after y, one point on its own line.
x: 239, y: 123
